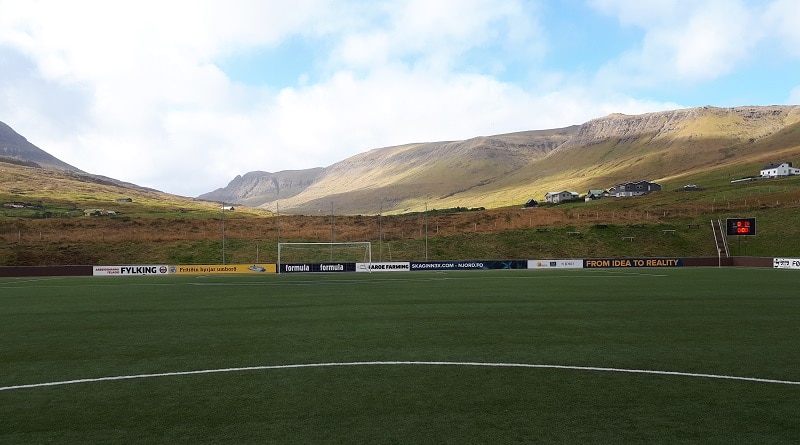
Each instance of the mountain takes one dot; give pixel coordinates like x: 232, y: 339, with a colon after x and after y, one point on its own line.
x: 258, y: 187
x: 508, y: 169
x: 671, y: 147
x: 15, y: 148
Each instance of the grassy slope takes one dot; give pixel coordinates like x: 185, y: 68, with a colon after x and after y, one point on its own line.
x: 164, y: 228
x: 480, y: 173
x: 175, y: 238
x: 673, y: 161
x: 66, y: 194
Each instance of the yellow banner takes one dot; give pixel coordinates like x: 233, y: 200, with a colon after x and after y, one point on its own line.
x: 196, y: 269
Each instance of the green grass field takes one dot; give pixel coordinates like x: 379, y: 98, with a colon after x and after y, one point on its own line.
x: 721, y: 322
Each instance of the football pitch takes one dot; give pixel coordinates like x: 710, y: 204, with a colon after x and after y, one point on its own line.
x: 684, y: 355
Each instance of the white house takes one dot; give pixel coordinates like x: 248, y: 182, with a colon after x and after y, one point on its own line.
x: 563, y: 196
x: 782, y: 169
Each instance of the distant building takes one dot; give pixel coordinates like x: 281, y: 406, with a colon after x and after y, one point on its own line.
x: 98, y: 212
x: 778, y: 170
x: 595, y: 194
x: 563, y: 196
x: 636, y: 188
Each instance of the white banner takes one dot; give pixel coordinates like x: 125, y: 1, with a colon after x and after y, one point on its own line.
x: 555, y: 264
x: 158, y: 269
x: 383, y: 267
x: 786, y: 263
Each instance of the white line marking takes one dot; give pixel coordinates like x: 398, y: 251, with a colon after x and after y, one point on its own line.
x: 394, y: 363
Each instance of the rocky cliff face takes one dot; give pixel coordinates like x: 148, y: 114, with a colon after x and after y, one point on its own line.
x: 256, y: 187
x: 701, y: 121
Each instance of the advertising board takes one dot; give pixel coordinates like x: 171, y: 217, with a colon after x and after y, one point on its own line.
x: 555, y: 264
x: 200, y: 269
x: 397, y: 266
x: 786, y: 263
x: 469, y: 265
x: 117, y: 271
x: 317, y: 267
x: 632, y: 262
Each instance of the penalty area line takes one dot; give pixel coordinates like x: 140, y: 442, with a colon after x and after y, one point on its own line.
x: 400, y: 363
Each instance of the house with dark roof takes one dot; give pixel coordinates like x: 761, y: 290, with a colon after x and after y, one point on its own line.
x: 635, y: 188
x: 595, y: 194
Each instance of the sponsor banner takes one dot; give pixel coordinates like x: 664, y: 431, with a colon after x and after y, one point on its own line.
x: 195, y: 269
x: 555, y: 264
x: 383, y: 267
x: 117, y: 271
x: 786, y: 263
x: 633, y: 262
x: 469, y: 265
x: 317, y: 267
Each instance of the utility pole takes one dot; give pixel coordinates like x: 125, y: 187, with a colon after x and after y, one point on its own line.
x: 223, y: 233
x: 426, y: 230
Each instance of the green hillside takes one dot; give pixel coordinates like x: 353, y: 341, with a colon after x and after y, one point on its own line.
x: 153, y: 229
x: 455, y: 182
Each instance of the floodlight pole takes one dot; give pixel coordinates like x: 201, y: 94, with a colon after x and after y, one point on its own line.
x: 332, y: 231
x: 426, y: 230
x: 223, y: 233
x: 278, y: 219
x: 380, y: 234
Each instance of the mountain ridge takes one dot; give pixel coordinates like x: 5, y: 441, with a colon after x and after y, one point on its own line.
x: 15, y: 146
x: 506, y: 169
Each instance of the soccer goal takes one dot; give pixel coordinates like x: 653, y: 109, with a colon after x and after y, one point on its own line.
x: 344, y: 252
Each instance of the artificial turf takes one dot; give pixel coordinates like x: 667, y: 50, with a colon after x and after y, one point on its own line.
x: 726, y: 322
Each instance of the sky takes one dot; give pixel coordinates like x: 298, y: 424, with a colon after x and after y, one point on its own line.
x: 183, y: 95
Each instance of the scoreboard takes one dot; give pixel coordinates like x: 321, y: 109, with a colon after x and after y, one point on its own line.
x: 741, y: 226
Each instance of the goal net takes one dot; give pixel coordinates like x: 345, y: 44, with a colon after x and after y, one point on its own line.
x: 344, y: 252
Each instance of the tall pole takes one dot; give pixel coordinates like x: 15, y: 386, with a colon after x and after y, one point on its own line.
x: 278, y: 219
x: 223, y: 232
x: 380, y: 234
x: 332, y: 231
x: 426, y: 230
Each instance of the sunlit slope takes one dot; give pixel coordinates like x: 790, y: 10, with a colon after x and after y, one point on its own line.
x: 509, y: 169
x: 399, y: 178
x: 64, y: 191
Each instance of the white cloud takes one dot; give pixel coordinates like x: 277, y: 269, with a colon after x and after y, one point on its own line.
x: 794, y: 96
x: 133, y: 91
x: 684, y: 42
x: 781, y: 19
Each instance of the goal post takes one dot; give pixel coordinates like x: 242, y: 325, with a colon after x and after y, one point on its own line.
x: 340, y: 252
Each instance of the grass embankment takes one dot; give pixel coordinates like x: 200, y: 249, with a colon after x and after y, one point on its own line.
x: 668, y: 223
